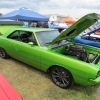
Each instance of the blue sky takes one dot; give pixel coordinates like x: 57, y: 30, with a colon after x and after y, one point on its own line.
x: 72, y: 8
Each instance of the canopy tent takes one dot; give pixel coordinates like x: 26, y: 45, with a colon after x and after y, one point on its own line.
x: 24, y: 14
x: 68, y: 20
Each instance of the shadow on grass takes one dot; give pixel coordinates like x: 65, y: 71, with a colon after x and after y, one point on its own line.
x: 91, y: 92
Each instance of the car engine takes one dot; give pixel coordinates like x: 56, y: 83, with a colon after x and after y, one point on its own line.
x: 80, y: 53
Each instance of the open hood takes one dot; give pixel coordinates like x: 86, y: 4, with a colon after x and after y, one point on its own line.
x: 78, y: 27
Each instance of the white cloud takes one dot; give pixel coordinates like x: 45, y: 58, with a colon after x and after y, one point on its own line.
x: 72, y: 8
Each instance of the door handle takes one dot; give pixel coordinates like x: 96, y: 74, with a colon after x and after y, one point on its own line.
x: 15, y: 46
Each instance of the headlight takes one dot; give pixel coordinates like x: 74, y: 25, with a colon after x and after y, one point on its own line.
x: 98, y: 74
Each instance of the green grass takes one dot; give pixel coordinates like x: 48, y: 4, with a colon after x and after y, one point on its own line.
x: 33, y: 84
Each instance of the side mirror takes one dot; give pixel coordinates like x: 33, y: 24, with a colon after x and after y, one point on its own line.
x: 31, y: 43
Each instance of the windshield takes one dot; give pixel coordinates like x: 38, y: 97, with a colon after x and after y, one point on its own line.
x: 46, y: 37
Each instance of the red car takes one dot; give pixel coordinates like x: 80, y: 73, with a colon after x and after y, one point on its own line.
x: 7, y: 92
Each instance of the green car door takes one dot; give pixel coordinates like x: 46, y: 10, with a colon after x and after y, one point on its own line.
x: 23, y: 50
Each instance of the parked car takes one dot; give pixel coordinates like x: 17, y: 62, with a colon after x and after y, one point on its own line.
x: 89, y: 38
x: 50, y: 51
x: 58, y: 25
x: 7, y: 92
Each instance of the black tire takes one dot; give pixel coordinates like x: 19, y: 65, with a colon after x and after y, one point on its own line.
x: 61, y: 77
x: 3, y: 54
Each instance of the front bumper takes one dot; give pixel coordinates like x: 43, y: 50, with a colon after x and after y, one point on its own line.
x: 94, y: 81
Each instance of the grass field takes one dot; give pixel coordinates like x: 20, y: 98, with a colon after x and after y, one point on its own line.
x: 33, y: 84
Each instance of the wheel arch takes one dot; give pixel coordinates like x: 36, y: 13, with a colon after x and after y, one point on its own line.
x: 49, y: 69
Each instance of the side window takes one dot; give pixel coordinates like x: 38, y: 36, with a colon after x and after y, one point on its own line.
x: 27, y: 36
x: 23, y: 36
x: 14, y: 36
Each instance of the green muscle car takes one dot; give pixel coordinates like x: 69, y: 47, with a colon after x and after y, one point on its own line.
x: 50, y: 51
